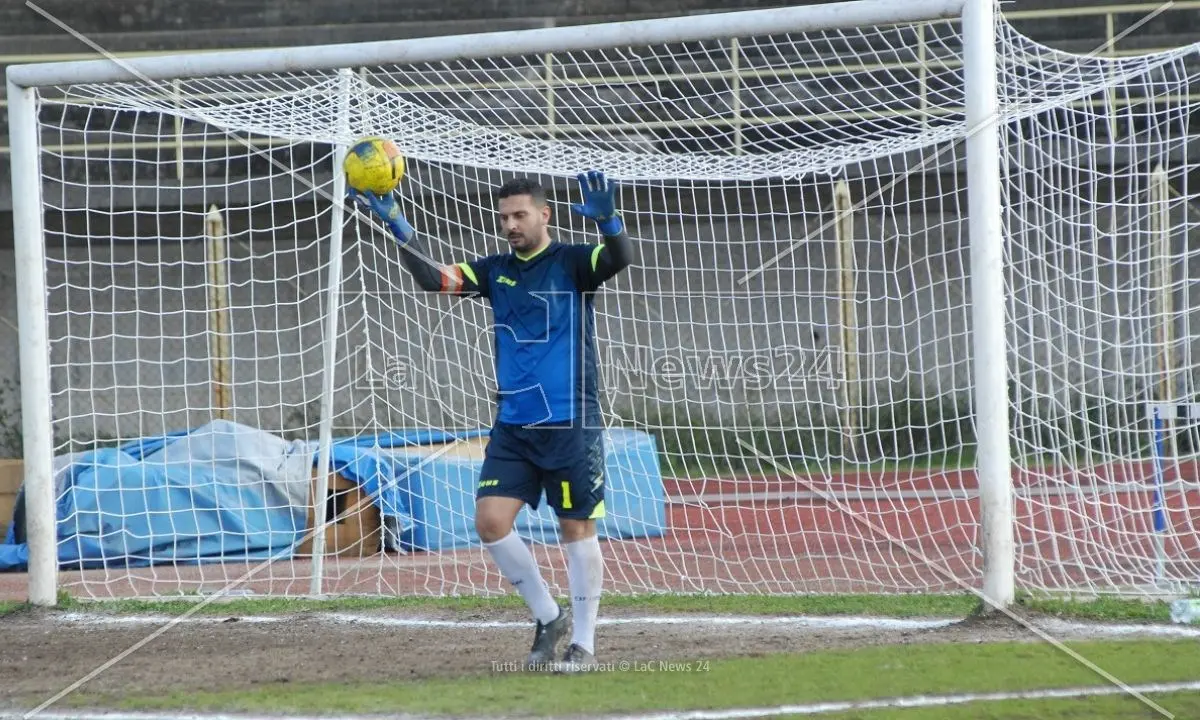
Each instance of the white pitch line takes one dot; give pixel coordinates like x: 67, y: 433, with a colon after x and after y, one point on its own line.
x: 818, y: 622
x: 829, y: 623
x: 911, y: 701
x: 1068, y: 626
x: 803, y: 621
x: 84, y: 618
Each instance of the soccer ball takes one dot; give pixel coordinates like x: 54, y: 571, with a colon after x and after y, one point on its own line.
x: 374, y: 164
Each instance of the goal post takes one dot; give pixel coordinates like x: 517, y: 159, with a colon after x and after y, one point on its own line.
x: 1004, y: 255
x: 994, y: 458
x: 30, y: 257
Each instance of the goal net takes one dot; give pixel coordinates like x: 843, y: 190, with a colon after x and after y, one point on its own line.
x: 786, y: 370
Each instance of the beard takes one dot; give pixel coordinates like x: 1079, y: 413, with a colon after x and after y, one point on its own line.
x: 522, y: 241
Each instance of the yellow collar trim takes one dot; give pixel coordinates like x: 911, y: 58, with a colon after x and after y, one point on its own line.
x: 530, y: 257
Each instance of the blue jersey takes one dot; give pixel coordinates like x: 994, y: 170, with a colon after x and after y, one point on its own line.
x: 544, y: 329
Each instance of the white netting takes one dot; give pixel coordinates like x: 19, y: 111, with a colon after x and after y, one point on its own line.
x: 841, y: 349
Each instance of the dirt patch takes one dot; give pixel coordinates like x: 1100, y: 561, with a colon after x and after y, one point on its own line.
x: 46, y: 651
x: 991, y: 627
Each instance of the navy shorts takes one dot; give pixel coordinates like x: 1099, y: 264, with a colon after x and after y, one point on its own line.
x: 566, y: 463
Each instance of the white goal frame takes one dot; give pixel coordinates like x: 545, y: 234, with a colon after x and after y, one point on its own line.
x: 987, y: 293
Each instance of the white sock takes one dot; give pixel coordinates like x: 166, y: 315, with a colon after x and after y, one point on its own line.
x: 516, y: 563
x: 585, y: 577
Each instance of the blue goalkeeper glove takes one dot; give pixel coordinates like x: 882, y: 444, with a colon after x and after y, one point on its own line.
x: 387, y: 210
x: 599, y: 202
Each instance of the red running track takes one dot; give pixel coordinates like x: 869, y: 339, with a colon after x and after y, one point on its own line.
x: 877, y: 531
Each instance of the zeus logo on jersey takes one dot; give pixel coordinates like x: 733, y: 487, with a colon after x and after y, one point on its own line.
x: 507, y: 281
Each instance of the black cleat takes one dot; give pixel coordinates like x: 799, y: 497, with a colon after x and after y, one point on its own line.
x: 576, y: 659
x: 546, y: 639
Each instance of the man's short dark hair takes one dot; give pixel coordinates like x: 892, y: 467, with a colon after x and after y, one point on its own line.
x: 522, y: 186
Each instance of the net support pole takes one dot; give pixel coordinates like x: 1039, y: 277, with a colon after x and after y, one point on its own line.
x: 993, y: 458
x: 844, y: 227
x: 37, y: 433
x: 1160, y: 231
x: 218, y: 313
x: 333, y: 308
x: 1160, y: 228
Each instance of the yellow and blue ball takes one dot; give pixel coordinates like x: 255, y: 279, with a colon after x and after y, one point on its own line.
x: 374, y: 164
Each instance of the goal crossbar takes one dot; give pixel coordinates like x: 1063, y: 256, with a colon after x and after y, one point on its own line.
x: 481, y: 45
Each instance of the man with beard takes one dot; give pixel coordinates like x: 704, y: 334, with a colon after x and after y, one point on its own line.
x: 547, y: 435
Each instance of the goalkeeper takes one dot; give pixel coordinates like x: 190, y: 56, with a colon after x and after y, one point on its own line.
x: 547, y: 432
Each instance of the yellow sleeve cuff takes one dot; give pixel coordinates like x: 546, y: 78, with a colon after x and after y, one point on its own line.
x: 469, y: 273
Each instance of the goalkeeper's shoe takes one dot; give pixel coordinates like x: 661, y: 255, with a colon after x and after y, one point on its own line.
x: 546, y: 638
x: 576, y: 659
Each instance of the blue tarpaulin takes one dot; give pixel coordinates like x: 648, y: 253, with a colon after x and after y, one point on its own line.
x: 227, y: 492
x: 441, y: 495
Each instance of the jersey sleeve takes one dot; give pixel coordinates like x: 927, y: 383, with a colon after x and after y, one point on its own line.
x: 464, y: 278
x: 468, y: 278
x: 593, y: 265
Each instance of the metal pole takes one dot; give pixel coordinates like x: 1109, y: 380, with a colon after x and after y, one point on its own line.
x: 30, y: 250
x: 987, y: 302
x: 735, y: 90
x: 333, y: 307
x: 1160, y: 229
x: 844, y: 210
x: 218, y: 314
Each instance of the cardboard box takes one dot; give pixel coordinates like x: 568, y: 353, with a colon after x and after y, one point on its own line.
x: 354, y: 522
x: 12, y: 473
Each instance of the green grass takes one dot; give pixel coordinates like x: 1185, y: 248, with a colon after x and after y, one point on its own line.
x: 876, y: 672
x: 11, y: 606
x: 1107, y: 609
x: 908, y: 605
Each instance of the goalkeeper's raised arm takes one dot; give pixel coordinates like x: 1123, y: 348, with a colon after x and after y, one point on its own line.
x: 615, y: 253
x: 431, y: 276
x: 527, y: 232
